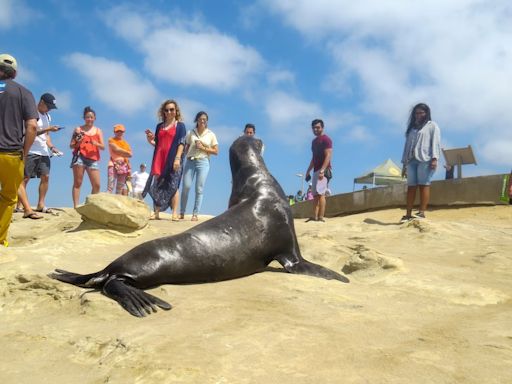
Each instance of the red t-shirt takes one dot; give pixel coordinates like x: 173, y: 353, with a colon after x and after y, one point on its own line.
x: 165, y: 139
x: 318, y: 146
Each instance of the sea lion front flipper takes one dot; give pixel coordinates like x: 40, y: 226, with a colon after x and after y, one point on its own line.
x: 134, y: 300
x: 305, y: 267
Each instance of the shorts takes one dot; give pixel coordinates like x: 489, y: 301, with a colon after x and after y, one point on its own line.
x: 87, y: 163
x: 314, y: 183
x: 36, y: 166
x: 419, y: 173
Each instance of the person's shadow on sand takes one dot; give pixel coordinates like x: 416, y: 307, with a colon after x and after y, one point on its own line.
x: 373, y: 221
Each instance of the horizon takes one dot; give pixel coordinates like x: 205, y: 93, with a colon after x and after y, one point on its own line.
x: 360, y: 67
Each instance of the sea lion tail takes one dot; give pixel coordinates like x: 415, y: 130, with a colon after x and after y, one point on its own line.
x: 93, y: 280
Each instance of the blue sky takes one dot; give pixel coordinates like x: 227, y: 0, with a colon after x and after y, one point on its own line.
x: 360, y: 66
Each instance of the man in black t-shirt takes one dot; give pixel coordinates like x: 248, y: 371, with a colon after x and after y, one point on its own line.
x: 18, y: 126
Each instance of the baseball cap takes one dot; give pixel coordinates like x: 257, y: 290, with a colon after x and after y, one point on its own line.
x: 7, y: 60
x: 119, y: 127
x: 49, y: 100
x: 143, y: 164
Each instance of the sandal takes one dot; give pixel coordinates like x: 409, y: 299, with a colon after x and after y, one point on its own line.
x: 154, y: 217
x: 32, y: 215
x: 194, y: 218
x: 175, y: 218
x: 45, y: 210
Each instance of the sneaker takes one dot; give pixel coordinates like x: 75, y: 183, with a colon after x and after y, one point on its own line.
x: 406, y: 218
x: 419, y: 215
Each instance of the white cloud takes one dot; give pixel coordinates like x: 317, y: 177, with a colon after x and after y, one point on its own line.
x: 15, y: 13
x: 113, y: 83
x: 498, y: 151
x: 187, y: 53
x: 453, y: 55
x: 290, y: 117
x: 359, y: 133
x: 280, y: 76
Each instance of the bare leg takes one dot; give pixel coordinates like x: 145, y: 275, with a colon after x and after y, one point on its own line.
x: 321, y: 207
x: 43, y: 189
x: 23, y: 185
x: 411, y: 195
x: 424, y: 197
x: 23, y: 199
x: 78, y: 177
x: 316, y: 203
x: 94, y: 177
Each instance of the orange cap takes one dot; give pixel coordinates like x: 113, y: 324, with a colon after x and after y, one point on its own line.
x: 119, y: 127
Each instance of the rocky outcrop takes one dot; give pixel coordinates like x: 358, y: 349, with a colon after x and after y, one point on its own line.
x: 115, y: 211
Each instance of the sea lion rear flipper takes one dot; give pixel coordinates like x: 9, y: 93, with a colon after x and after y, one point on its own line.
x: 92, y: 280
x: 134, y: 300
x: 305, y: 267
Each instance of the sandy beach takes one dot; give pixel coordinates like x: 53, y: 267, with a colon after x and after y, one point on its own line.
x: 429, y: 302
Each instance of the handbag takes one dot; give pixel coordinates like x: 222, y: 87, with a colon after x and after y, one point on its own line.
x: 121, y: 167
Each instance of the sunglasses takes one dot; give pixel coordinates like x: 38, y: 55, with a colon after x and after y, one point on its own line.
x: 169, y: 110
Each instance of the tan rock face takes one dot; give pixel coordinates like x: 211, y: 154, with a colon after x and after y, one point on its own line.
x: 115, y: 211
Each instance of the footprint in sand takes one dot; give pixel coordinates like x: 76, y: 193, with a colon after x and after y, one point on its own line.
x: 23, y: 293
x: 370, y: 264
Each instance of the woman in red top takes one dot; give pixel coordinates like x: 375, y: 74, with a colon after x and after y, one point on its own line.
x: 86, y: 142
x: 166, y: 168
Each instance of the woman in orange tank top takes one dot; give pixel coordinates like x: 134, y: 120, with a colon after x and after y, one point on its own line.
x: 86, y: 142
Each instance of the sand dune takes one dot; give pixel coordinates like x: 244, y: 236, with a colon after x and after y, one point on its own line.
x: 429, y: 302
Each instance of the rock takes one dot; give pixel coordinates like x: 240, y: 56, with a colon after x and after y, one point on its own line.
x: 115, y: 211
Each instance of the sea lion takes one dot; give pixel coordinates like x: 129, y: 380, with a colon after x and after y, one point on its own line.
x: 256, y: 229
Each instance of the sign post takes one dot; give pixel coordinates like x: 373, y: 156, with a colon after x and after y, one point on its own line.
x: 458, y: 156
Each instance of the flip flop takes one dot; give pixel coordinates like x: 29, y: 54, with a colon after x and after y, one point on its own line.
x: 33, y: 216
x: 45, y: 210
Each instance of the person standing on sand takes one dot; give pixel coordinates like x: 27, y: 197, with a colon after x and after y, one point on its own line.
x: 38, y: 161
x: 139, y: 180
x: 321, y: 165
x: 166, y: 168
x: 421, y: 151
x: 18, y: 129
x: 119, y: 168
x: 86, y: 142
x: 201, y: 142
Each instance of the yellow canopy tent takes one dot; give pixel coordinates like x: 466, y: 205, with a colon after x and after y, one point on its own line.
x: 387, y: 173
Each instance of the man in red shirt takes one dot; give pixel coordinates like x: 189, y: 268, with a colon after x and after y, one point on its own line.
x: 321, y: 166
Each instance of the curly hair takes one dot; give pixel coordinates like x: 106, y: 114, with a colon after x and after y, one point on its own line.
x: 161, y: 112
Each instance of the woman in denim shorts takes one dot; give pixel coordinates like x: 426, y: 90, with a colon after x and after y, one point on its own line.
x: 421, y: 152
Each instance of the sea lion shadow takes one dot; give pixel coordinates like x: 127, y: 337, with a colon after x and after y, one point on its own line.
x: 373, y: 221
